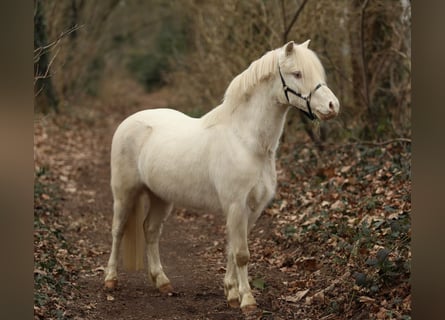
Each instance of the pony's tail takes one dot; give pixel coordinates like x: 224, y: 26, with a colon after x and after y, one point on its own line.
x: 133, y: 240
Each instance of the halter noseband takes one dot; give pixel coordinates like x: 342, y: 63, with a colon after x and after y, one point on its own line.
x: 286, y: 89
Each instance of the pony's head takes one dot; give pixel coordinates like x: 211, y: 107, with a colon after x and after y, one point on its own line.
x: 304, y: 82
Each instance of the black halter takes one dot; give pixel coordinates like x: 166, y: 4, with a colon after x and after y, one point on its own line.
x: 286, y: 89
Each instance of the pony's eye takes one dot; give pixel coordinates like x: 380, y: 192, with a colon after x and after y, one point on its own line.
x: 298, y: 74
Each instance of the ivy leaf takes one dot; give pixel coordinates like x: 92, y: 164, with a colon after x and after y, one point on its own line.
x: 259, y: 283
x: 371, y: 262
x: 382, y: 254
x: 360, y: 279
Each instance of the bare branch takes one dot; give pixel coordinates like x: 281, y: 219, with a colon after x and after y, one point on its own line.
x: 39, y: 51
x: 46, y: 74
x: 382, y: 143
x: 294, y: 19
x: 39, y: 91
x: 372, y: 143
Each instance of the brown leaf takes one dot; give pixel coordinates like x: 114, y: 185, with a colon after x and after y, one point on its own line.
x: 366, y: 299
x: 318, y: 297
x: 308, y: 264
x: 44, y: 196
x: 297, y: 296
x: 41, y: 272
x: 379, y: 190
x: 345, y: 169
x: 101, y: 268
x: 338, y: 205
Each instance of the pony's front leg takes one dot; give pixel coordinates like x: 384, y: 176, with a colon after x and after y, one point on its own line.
x: 231, y: 281
x: 237, y: 229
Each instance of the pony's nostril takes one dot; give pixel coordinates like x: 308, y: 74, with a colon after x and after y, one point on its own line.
x: 331, y: 105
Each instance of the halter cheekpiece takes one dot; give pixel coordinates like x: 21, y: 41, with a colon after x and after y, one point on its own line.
x: 286, y: 89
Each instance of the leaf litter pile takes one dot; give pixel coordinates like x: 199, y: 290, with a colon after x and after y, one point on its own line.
x: 333, y: 244
x: 341, y: 232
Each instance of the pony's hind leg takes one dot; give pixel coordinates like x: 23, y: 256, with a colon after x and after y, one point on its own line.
x: 124, y: 204
x: 157, y: 214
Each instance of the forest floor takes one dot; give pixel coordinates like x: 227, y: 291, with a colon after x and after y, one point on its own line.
x: 333, y: 244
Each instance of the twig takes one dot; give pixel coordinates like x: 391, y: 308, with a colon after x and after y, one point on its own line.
x: 294, y: 19
x: 371, y: 143
x: 38, y: 51
x: 46, y: 74
x: 39, y: 91
x: 374, y: 143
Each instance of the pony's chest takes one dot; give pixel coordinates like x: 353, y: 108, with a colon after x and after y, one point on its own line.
x: 264, y: 189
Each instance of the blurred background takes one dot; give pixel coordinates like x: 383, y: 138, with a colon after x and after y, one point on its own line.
x: 110, y: 50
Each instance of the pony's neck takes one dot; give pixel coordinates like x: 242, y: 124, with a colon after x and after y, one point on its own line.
x: 259, y: 120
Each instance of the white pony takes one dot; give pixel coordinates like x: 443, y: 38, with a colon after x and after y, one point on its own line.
x: 221, y: 162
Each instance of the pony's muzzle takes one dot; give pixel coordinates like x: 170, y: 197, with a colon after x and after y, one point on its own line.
x: 332, y: 111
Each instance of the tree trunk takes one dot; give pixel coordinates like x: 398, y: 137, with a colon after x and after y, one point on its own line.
x: 356, y: 54
x: 43, y: 84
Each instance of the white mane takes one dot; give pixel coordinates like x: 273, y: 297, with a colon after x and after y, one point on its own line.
x: 258, y: 70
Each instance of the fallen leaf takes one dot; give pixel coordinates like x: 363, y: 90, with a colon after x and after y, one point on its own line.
x: 325, y: 203
x: 297, y: 296
x: 366, y: 299
x: 308, y: 264
x: 318, y: 297
x: 338, y: 205
x: 101, y: 268
x: 44, y: 196
x: 379, y: 190
x: 345, y: 169
x: 41, y: 272
x: 283, y: 205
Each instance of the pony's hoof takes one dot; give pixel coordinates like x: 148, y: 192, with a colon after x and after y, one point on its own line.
x: 110, y: 284
x: 233, y: 303
x: 166, y: 288
x: 251, y: 311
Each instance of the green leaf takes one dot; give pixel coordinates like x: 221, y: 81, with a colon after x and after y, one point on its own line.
x: 371, y: 262
x: 259, y: 283
x: 382, y: 254
x: 360, y: 279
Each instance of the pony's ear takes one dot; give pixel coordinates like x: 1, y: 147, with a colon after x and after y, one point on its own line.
x: 289, y: 47
x: 306, y: 43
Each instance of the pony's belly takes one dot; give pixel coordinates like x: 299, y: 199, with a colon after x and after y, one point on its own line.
x: 184, y: 192
x: 203, y: 201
